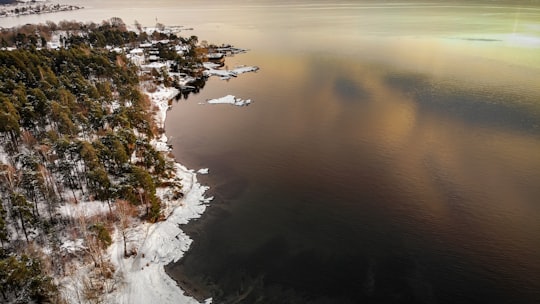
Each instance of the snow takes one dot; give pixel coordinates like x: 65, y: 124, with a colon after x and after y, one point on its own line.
x: 154, y: 65
x: 55, y: 41
x: 160, y: 144
x: 182, y: 78
x: 115, y: 105
x: 160, y: 98
x: 230, y: 99
x: 137, y: 51
x: 3, y: 156
x: 71, y: 246
x: 84, y: 209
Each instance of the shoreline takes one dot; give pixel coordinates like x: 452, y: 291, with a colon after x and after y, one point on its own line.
x: 160, y: 244
x: 164, y: 242
x: 28, y: 8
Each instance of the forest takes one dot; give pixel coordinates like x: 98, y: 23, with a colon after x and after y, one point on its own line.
x: 74, y: 127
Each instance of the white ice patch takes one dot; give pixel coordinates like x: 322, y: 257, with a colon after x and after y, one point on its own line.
x: 203, y: 171
x: 227, y: 74
x: 245, y: 69
x: 230, y: 99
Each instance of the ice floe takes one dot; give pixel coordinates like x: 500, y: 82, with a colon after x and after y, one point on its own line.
x: 230, y: 99
x: 227, y: 74
x: 203, y: 171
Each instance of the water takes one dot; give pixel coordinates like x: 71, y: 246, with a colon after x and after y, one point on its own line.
x: 361, y: 184
x: 390, y: 155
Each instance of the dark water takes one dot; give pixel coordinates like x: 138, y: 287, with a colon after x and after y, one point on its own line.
x: 353, y: 182
x: 348, y: 182
x: 391, y: 155
x: 391, y: 169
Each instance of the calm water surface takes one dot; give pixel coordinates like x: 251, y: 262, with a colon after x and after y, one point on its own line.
x: 391, y: 155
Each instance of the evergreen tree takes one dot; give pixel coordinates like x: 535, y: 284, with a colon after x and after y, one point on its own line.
x: 22, y: 280
x: 4, y: 232
x: 23, y: 210
x: 9, y: 119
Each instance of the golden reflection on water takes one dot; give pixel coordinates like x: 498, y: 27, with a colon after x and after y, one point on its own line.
x: 400, y: 121
x: 444, y: 165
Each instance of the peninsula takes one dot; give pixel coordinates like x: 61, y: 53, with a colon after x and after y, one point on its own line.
x: 92, y: 197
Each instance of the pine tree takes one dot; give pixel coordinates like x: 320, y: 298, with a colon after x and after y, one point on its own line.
x: 146, y: 190
x: 23, y: 210
x: 4, y: 232
x: 9, y: 119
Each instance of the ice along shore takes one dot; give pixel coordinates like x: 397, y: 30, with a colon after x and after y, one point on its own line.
x: 162, y: 243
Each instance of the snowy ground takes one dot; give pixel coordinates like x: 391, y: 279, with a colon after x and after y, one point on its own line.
x: 160, y: 99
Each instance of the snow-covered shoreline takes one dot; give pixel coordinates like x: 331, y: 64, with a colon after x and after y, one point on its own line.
x: 143, y: 276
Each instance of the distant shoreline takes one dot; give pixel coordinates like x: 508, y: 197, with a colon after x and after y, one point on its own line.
x: 17, y: 8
